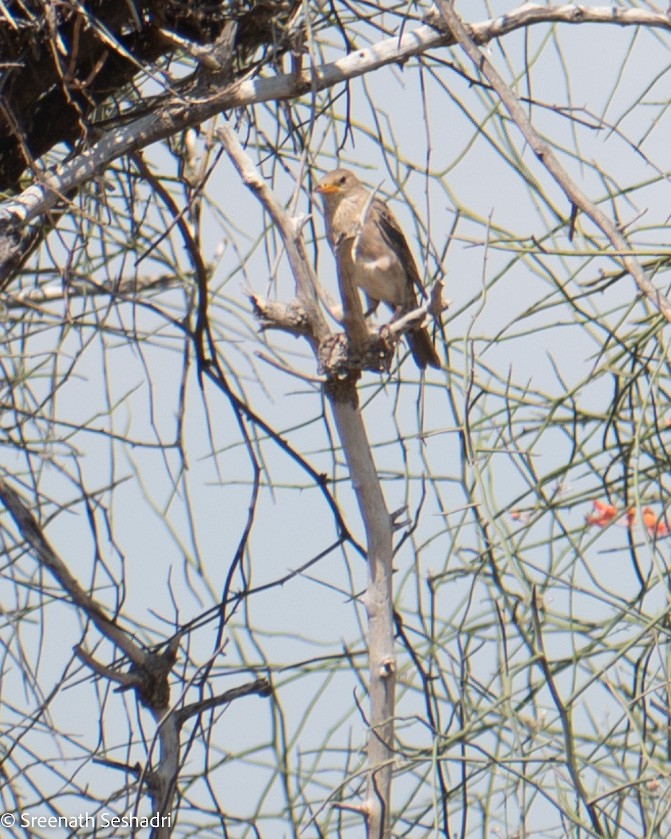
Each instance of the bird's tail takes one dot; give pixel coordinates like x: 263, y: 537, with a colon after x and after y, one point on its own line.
x: 422, y: 349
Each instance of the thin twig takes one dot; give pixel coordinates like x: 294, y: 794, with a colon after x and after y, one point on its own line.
x: 32, y: 532
x: 548, y: 158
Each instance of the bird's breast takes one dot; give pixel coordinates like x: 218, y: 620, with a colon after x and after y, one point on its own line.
x: 382, y: 278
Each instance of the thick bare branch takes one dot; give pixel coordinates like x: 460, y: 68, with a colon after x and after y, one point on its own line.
x: 343, y: 398
x: 197, y: 102
x: 306, y: 281
x: 259, y: 687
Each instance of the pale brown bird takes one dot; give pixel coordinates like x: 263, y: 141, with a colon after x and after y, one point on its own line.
x: 383, y: 264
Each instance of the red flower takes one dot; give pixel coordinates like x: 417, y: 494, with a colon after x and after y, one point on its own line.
x: 603, y: 514
x: 655, y: 525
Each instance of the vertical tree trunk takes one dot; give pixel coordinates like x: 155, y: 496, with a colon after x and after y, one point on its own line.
x: 379, y: 606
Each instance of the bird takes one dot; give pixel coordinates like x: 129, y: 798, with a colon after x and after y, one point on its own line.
x: 384, y: 267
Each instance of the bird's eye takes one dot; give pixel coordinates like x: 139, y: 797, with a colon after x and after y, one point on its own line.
x: 342, y: 179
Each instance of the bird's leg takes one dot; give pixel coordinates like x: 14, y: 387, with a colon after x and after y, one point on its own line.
x: 397, y: 312
x: 372, y: 306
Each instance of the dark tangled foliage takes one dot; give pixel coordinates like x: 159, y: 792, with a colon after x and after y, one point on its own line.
x: 62, y: 60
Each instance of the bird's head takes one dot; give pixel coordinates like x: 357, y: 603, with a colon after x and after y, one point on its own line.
x: 337, y: 183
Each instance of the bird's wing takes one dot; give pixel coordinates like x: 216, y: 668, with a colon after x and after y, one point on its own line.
x: 393, y: 235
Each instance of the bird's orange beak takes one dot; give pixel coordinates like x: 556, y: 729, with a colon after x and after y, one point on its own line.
x: 326, y: 189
